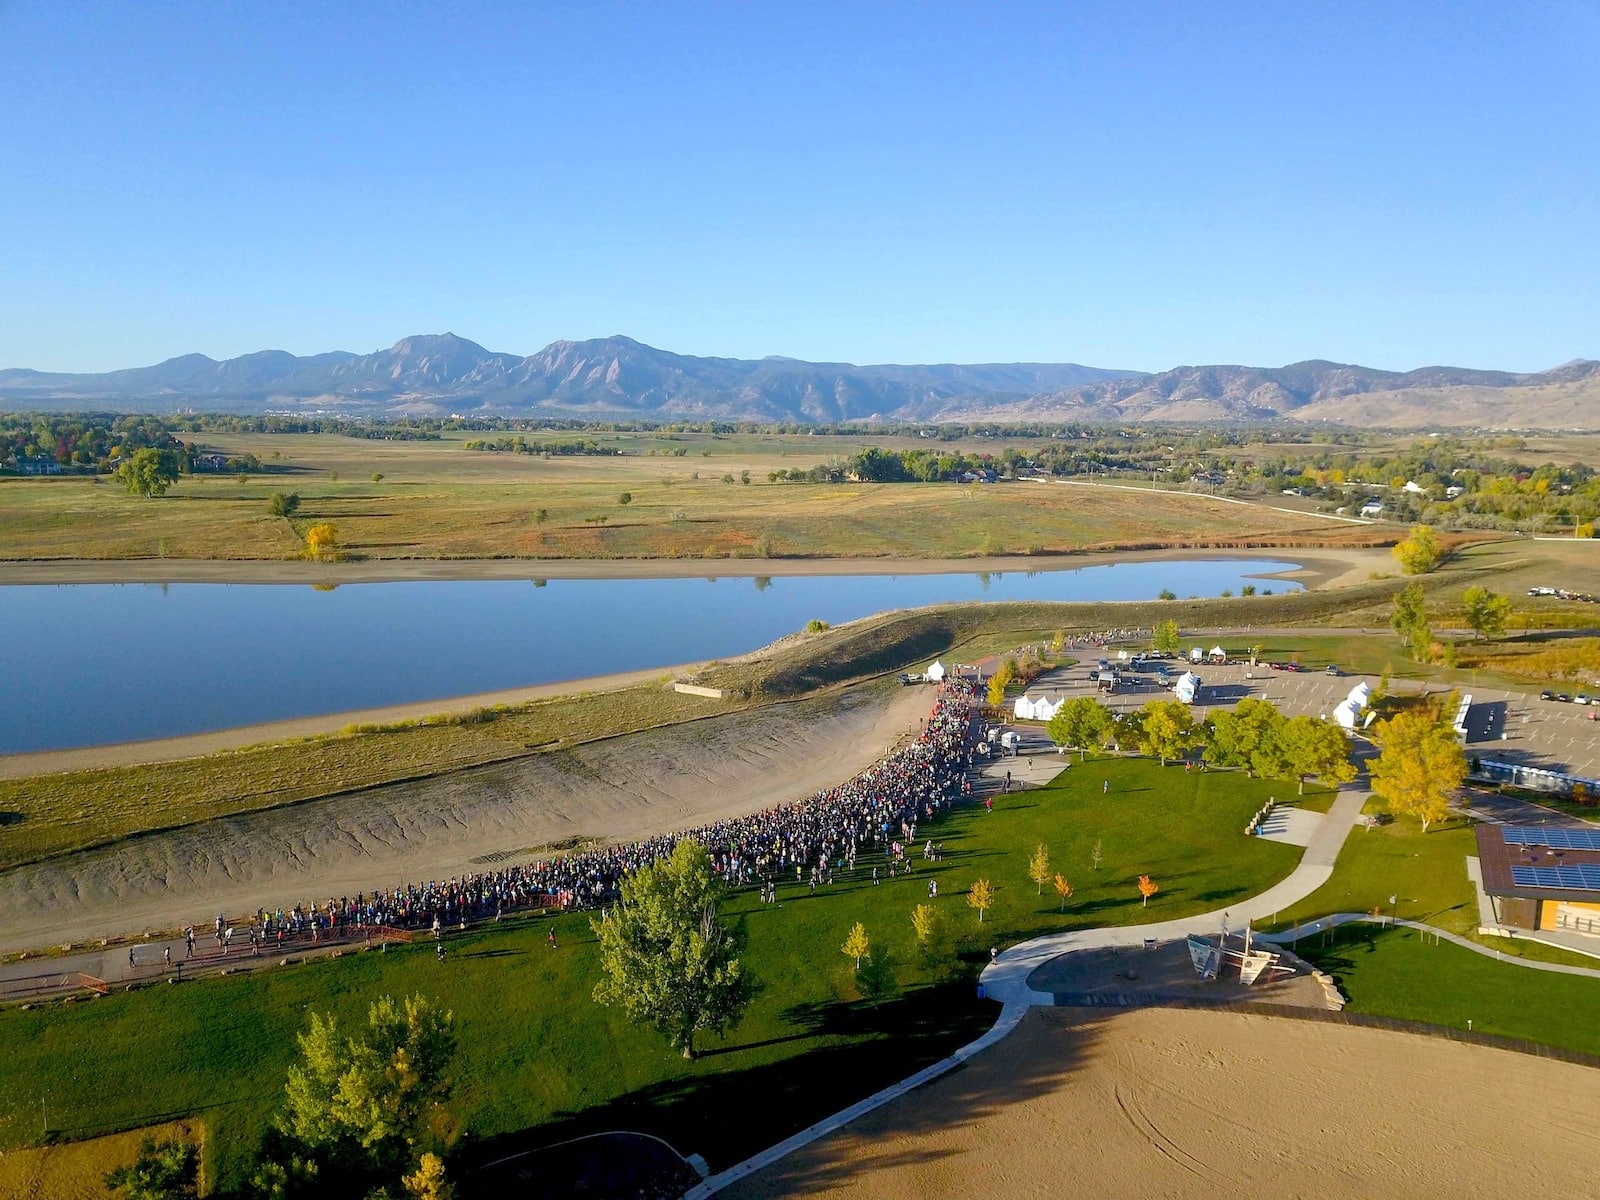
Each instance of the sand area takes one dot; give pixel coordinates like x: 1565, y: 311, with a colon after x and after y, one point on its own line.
x: 613, y: 790
x: 1176, y: 1103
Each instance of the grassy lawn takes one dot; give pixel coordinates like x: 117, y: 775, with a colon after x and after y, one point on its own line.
x: 439, y: 500
x: 1395, y: 973
x: 540, y: 1061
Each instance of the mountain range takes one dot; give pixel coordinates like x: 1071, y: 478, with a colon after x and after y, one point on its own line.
x: 603, y: 378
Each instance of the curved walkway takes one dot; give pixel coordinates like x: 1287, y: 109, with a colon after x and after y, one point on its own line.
x: 1334, y: 920
x: 1006, y: 979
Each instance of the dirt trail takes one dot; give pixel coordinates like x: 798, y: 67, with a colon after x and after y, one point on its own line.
x: 622, y: 788
x: 1193, y: 1103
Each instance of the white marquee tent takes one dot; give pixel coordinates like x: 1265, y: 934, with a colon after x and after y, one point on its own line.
x: 936, y: 672
x: 1027, y: 708
x: 1187, y: 688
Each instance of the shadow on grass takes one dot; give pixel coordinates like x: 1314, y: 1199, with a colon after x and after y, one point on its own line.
x: 727, y: 1107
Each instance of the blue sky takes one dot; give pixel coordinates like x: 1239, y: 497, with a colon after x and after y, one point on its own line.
x: 1125, y: 185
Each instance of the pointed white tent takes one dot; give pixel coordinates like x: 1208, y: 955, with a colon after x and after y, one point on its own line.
x: 1360, y: 694
x: 1218, y: 654
x: 936, y: 672
x: 1346, y: 714
x: 1187, y: 688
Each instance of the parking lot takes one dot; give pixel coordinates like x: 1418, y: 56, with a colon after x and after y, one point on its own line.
x: 1514, y: 727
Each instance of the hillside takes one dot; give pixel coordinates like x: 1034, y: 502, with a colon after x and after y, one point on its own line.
x: 434, y: 375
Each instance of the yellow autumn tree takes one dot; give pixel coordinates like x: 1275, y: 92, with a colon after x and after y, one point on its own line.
x: 1039, y: 867
x: 322, y: 540
x: 1064, y: 890
x: 997, y: 684
x: 1148, y: 887
x: 857, y: 944
x: 981, y: 897
x: 1419, y: 767
x: 428, y: 1181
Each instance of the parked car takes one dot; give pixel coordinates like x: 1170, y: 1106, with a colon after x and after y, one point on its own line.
x: 1581, y: 698
x: 1563, y: 697
x: 1331, y: 669
x: 1547, y: 694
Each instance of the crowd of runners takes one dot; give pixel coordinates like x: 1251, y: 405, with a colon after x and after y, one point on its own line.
x: 871, y: 821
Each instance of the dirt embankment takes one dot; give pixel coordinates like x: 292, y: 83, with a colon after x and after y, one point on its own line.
x: 618, y: 789
x: 1192, y: 1103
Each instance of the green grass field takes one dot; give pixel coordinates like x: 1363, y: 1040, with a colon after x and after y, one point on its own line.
x: 541, y: 1061
x: 439, y: 500
x: 1397, y: 973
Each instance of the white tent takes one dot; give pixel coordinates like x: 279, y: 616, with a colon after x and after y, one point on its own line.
x: 1359, y: 695
x: 936, y: 672
x: 1347, y: 714
x: 1028, y: 708
x: 1187, y: 688
x: 1218, y: 654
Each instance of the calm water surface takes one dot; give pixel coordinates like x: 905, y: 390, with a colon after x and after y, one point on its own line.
x: 86, y: 664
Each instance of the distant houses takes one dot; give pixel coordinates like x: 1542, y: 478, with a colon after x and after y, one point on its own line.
x: 42, y: 465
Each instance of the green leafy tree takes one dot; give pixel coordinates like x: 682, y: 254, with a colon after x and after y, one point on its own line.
x: 1166, y: 729
x: 370, y: 1100
x: 1419, y: 767
x: 1486, y: 611
x: 1164, y: 637
x: 1168, y: 594
x: 1318, y: 749
x: 1234, y: 739
x: 1410, y: 621
x: 1418, y: 553
x: 168, y: 1170
x: 1080, y: 723
x: 668, y: 957
x: 283, y: 504
x: 149, y: 472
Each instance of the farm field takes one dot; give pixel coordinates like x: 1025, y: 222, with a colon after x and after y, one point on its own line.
x: 437, y: 500
x: 539, y: 1054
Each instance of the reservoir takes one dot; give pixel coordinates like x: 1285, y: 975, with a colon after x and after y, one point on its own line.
x: 87, y: 664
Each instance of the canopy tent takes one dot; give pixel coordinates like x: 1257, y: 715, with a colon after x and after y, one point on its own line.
x: 1027, y: 708
x: 1346, y: 714
x: 1219, y: 654
x: 1360, y: 695
x: 936, y: 672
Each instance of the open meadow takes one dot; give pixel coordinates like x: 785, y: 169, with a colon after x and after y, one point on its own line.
x: 437, y: 500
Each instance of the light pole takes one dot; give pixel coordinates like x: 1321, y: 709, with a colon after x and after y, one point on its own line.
x: 1394, y: 910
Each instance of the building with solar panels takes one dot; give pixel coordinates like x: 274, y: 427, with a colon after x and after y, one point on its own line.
x: 1542, y: 878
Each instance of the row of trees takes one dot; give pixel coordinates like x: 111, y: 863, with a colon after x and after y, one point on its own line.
x: 1255, y: 737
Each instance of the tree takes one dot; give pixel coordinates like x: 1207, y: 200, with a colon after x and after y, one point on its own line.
x: 1419, y: 766
x: 369, y: 1100
x: 1167, y: 594
x: 1410, y: 620
x: 1064, y: 890
x: 1236, y: 738
x: 667, y: 956
x: 281, y: 504
x: 1584, y: 529
x: 1080, y: 723
x: 1419, y: 553
x: 148, y: 471
x: 1166, y: 729
x: 1316, y: 748
x: 428, y: 1181
x: 1003, y: 675
x: 1148, y: 887
x: 322, y: 539
x: 168, y: 1170
x: 1486, y: 611
x: 1039, y: 867
x: 856, y: 945
x: 625, y: 498
x: 933, y: 935
x: 1164, y: 637
x: 981, y: 897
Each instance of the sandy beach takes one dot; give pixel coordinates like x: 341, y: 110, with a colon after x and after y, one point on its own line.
x: 1179, y: 1103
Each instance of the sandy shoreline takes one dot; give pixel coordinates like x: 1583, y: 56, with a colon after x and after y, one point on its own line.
x: 1321, y: 566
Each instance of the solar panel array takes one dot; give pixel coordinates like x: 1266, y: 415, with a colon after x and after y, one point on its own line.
x: 1556, y: 839
x: 1577, y: 877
